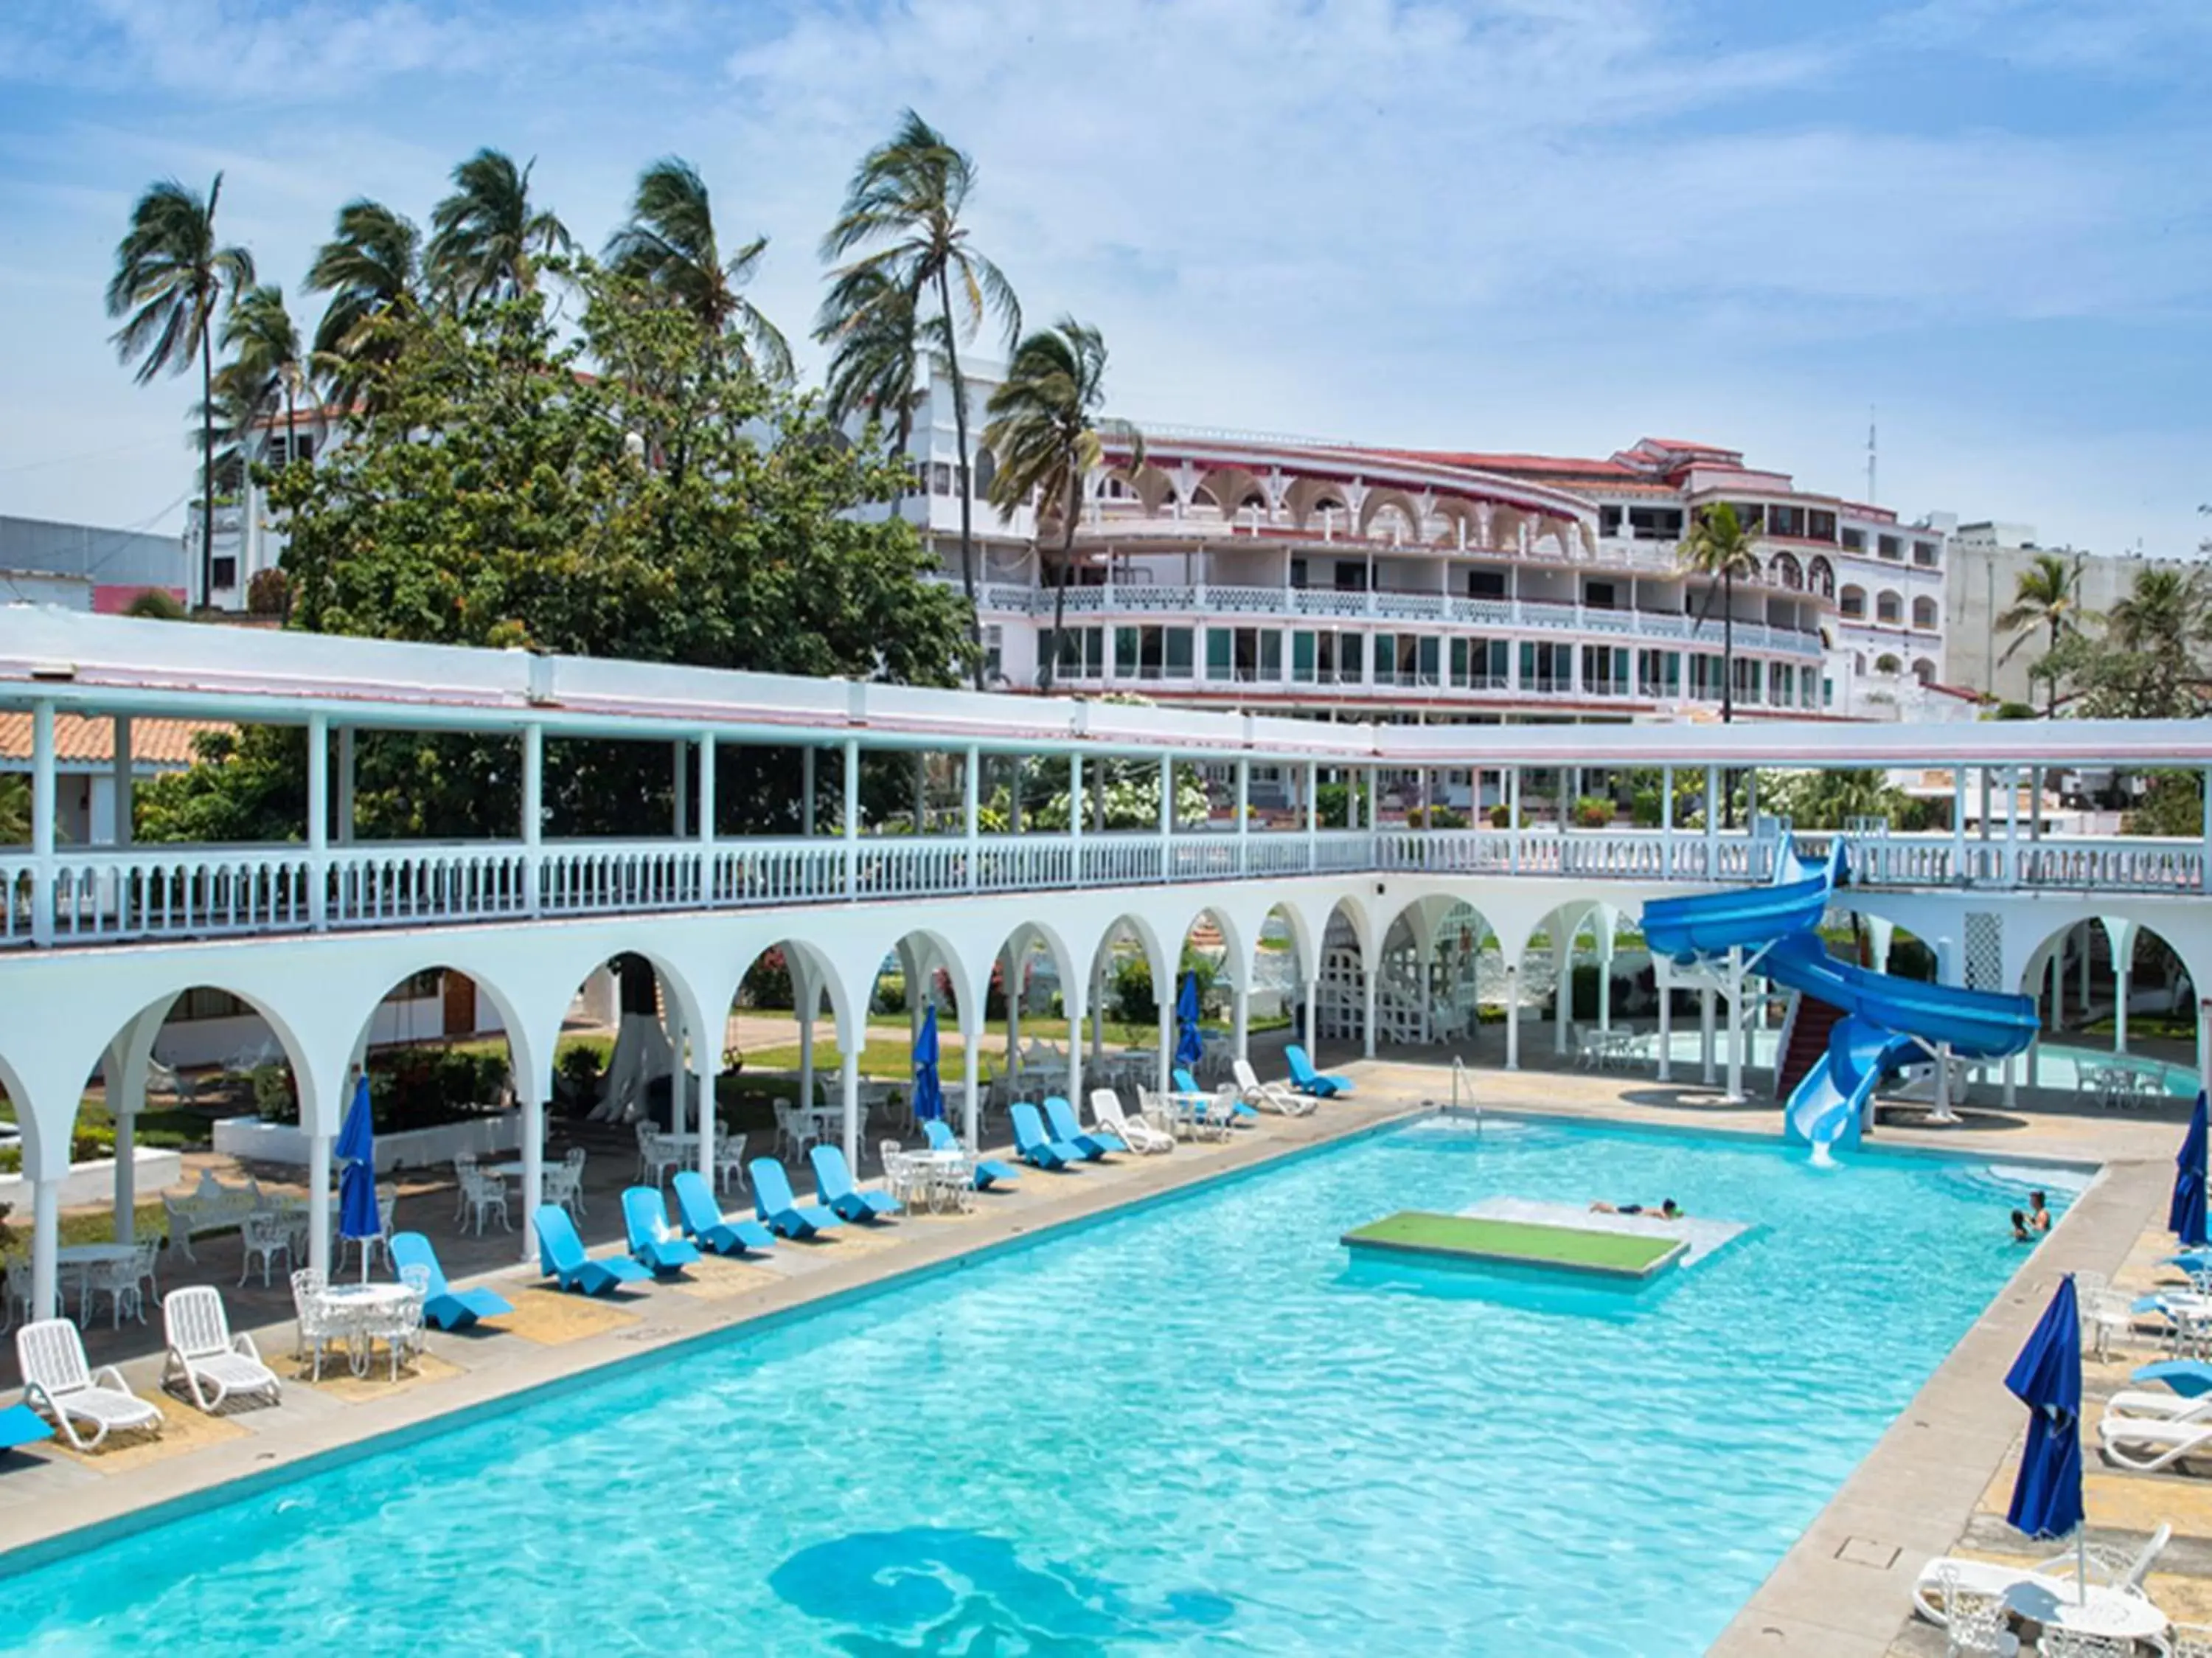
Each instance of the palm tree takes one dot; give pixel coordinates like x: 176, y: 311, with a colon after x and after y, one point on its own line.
x: 2165, y: 617
x: 876, y: 346
x: 901, y: 215
x: 171, y: 276
x: 486, y: 238
x: 2046, y: 595
x: 372, y: 269
x: 1719, y: 547
x: 1045, y: 432
x: 267, y: 370
x: 669, y: 244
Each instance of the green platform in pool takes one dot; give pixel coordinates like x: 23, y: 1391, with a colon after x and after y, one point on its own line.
x: 1517, y: 1243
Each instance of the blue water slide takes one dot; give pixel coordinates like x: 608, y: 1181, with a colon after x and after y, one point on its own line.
x: 1888, y: 1022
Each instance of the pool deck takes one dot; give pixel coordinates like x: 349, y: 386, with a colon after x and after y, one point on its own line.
x: 1843, y: 1591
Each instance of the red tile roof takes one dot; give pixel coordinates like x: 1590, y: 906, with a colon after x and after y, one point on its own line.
x: 80, y: 740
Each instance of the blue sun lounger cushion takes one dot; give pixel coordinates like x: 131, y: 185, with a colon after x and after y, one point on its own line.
x: 1033, y: 1147
x: 2191, y: 1378
x: 645, y: 1218
x: 1186, y: 1083
x: 833, y: 1184
x: 20, y: 1426
x: 775, y: 1204
x: 561, y: 1255
x: 444, y: 1305
x: 1094, y: 1143
x: 1306, y: 1080
x: 706, y: 1225
x: 988, y: 1169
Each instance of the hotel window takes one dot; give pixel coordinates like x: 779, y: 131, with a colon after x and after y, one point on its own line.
x: 1781, y: 684
x: 1485, y: 584
x: 1655, y: 523
x: 1297, y: 572
x: 940, y: 477
x: 1546, y: 668
x: 1827, y: 693
x: 1083, y: 652
x: 225, y: 573
x: 1854, y: 540
x: 1749, y: 515
x: 1605, y: 670
x: 1705, y: 678
x: 994, y: 652
x: 1481, y: 664
x: 1811, y: 687
x: 205, y: 1003
x: 1405, y: 659
x: 1820, y: 525
x: 1890, y: 547
x: 1243, y: 654
x: 1351, y: 576
x: 1853, y: 603
x: 1325, y: 658
x: 1888, y: 608
x: 1785, y: 521
x: 1924, y: 554
x: 1659, y: 673
x: 1597, y: 595
x: 1747, y: 676
x: 1152, y: 653
x: 1608, y: 520
x: 1924, y: 613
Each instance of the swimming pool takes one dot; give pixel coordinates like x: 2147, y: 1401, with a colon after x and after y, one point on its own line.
x: 1192, y: 1427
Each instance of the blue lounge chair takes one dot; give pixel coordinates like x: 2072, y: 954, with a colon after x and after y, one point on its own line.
x: 1186, y: 1083
x: 20, y: 1425
x: 988, y: 1170
x: 561, y: 1255
x: 1093, y: 1143
x: 1306, y: 1080
x: 706, y: 1225
x: 2191, y: 1378
x: 784, y: 1213
x: 651, y: 1244
x: 444, y: 1305
x: 1033, y: 1147
x: 833, y: 1184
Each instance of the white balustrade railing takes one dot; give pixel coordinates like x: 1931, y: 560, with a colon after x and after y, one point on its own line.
x: 110, y: 895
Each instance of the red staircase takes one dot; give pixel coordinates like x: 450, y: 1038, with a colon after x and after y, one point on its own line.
x: 1808, y: 1041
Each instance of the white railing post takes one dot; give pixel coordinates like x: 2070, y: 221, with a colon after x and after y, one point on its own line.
x: 1513, y: 821
x: 969, y: 806
x: 1313, y: 821
x: 852, y: 781
x: 533, y: 816
x: 707, y: 810
x: 1666, y: 833
x: 319, y: 821
x: 42, y: 823
x: 1074, y: 821
x: 1712, y: 822
x: 1243, y: 806
x: 1167, y: 817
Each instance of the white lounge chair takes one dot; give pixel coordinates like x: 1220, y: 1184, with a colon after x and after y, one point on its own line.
x: 2149, y: 1445
x: 2110, y: 1573
x: 2151, y: 1404
x: 1133, y: 1132
x: 212, y: 1362
x: 58, y: 1384
x: 1269, y: 1096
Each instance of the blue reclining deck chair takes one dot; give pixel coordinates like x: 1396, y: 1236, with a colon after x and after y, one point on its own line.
x: 1033, y: 1147
x: 2191, y: 1378
x: 444, y: 1305
x: 833, y: 1184
x: 561, y: 1255
x: 988, y: 1169
x: 1093, y: 1143
x: 774, y: 1203
x: 706, y: 1225
x: 1306, y: 1080
x: 1186, y: 1083
x: 20, y: 1425
x: 645, y: 1218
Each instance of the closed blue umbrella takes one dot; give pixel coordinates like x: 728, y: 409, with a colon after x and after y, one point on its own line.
x: 1190, y: 1044
x: 2046, y: 1377
x: 2185, y: 1217
x: 928, y: 1093
x: 357, y: 1145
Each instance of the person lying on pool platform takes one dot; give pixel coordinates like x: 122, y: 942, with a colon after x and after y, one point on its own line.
x: 1668, y: 1211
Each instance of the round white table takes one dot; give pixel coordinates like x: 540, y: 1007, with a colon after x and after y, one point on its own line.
x: 77, y: 1260
x: 2050, y: 1600
x: 368, y: 1310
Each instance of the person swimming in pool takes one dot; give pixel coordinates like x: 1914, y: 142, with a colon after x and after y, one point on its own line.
x: 2020, y: 1227
x: 1668, y: 1211
x: 2038, y: 1217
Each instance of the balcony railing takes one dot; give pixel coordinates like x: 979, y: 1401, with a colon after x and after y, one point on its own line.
x: 113, y: 896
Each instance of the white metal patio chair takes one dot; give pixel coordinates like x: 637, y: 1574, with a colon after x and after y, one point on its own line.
x: 58, y: 1384
x: 564, y: 1182
x: 658, y: 1155
x: 482, y: 1196
x: 203, y: 1353
x: 1974, y: 1623
x: 905, y: 1177
x: 2057, y: 1643
x: 19, y: 1291
x: 319, y: 1326
x: 124, y: 1285
x: 265, y: 1236
x: 730, y: 1163
x: 2189, y: 1641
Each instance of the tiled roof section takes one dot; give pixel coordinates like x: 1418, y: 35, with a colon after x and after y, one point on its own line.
x: 1545, y: 464
x: 78, y: 741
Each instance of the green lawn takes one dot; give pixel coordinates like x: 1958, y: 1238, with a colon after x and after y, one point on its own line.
x: 1523, y: 1243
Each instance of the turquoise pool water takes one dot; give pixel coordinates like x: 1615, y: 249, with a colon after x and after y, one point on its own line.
x: 1193, y: 1428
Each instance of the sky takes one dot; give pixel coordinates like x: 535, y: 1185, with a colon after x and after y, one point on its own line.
x: 1535, y: 225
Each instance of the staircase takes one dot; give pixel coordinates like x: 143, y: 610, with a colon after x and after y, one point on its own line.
x: 1810, y: 1021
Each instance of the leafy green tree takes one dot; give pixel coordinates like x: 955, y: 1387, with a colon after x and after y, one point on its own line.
x: 488, y: 237
x: 14, y: 811
x: 1830, y: 800
x: 267, y: 370
x: 901, y: 218
x: 1046, y: 433
x: 876, y: 344
x: 2172, y: 805
x: 372, y: 269
x: 2046, y: 599
x: 171, y: 278
x: 669, y: 244
x: 1720, y: 548
x: 2143, y: 661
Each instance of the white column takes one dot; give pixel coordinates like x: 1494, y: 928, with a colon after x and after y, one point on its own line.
x: 1712, y: 842
x: 1958, y: 823
x: 1074, y: 1055
x: 126, y: 1166
x: 1605, y: 977
x: 1075, y: 817
x: 319, y: 820
x: 848, y: 1079
x: 1513, y: 818
x: 1370, y: 981
x: 971, y: 1075
x: 706, y: 1064
x: 1015, y: 961
x: 679, y: 1092
x: 2204, y: 1043
x: 1563, y: 986
x: 1240, y: 1016
x: 1513, y: 1008
x: 1663, y: 977
x: 46, y: 1243
x: 530, y: 1099
x: 709, y: 806
x: 1243, y: 806
x: 1735, y: 1024
x: 2081, y: 978
x: 852, y: 781
x: 123, y: 782
x: 1313, y: 1012
x: 533, y: 810
x: 1705, y: 1033
x: 1166, y: 998
x: 42, y: 820
x: 319, y: 1200
x: 1313, y: 823
x: 971, y: 806
x: 345, y: 786
x: 806, y: 999
x: 1167, y: 823
x: 1667, y: 827
x: 2122, y: 937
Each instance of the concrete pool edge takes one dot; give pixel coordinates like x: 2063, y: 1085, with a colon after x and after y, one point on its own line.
x: 1843, y: 1589
x: 69, y: 1524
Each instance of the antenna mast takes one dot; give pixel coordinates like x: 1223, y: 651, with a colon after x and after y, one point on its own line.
x: 1871, y: 497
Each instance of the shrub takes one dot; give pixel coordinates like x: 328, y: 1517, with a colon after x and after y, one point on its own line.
x: 1436, y: 817
x: 767, y: 983
x: 1593, y: 812
x: 1129, y: 996
x: 1644, y: 808
x: 1585, y: 992
x: 578, y: 1069
x: 274, y: 1097
x: 269, y: 593
x: 890, y: 994
x: 1501, y: 816
x: 156, y: 604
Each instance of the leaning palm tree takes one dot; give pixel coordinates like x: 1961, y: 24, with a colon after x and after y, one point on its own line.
x: 267, y: 370
x: 372, y: 269
x: 875, y: 348
x: 1046, y: 433
x: 669, y: 244
x: 901, y: 218
x: 486, y: 238
x: 171, y: 276
x: 1720, y: 547
x: 2046, y: 598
